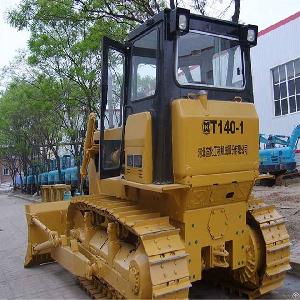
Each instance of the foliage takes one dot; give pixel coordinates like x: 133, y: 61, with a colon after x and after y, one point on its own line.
x: 119, y: 11
x: 26, y: 126
x: 37, y: 117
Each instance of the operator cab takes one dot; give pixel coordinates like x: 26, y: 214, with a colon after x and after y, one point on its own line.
x: 174, y: 55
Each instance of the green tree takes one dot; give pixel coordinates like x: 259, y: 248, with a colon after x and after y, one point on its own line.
x: 65, y: 45
x: 29, y: 127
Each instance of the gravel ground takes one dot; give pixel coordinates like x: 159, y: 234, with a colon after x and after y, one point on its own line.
x: 287, y: 201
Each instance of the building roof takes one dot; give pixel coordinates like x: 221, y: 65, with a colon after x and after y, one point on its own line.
x: 279, y: 24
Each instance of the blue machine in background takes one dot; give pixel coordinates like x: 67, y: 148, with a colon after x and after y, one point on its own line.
x: 52, y: 171
x: 42, y: 175
x: 71, y: 175
x: 65, y: 162
x: 38, y: 175
x: 277, y: 155
x: 53, y: 175
x: 43, y: 178
x: 30, y: 181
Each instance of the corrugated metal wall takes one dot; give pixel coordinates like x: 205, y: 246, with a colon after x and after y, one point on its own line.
x: 274, y: 48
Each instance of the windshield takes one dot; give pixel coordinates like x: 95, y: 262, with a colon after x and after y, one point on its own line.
x: 209, y: 60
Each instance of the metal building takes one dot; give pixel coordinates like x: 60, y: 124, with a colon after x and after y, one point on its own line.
x: 276, y: 76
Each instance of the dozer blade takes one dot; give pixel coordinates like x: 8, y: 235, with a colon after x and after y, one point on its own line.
x: 44, y: 220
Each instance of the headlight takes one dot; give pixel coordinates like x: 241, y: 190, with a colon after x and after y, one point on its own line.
x: 179, y: 22
x: 251, y: 35
x: 182, y: 22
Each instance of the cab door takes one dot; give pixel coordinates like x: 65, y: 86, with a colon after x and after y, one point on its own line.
x: 112, y: 103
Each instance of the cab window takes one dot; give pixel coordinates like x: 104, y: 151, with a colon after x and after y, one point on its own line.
x: 210, y: 60
x: 144, y: 66
x: 113, y: 112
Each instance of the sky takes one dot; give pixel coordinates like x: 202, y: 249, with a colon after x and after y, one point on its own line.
x: 259, y: 12
x: 10, y: 39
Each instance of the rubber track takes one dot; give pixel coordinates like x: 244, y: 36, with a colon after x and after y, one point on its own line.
x: 161, y: 241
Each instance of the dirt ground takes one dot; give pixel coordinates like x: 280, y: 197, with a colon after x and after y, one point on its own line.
x: 287, y: 200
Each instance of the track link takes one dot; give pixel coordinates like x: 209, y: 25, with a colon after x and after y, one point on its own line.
x: 161, y: 241
x: 277, y: 245
x: 98, y: 289
x: 273, y: 240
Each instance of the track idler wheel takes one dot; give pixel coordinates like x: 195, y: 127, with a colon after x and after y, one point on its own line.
x: 248, y: 276
x: 139, y: 275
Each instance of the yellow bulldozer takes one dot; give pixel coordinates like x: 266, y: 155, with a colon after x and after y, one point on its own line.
x: 170, y: 169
